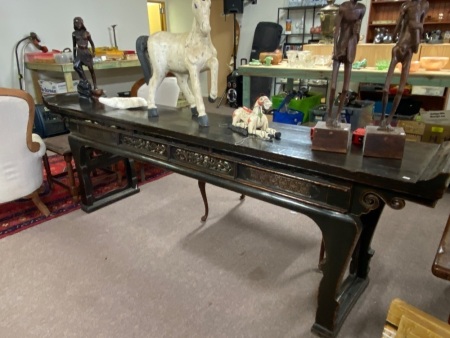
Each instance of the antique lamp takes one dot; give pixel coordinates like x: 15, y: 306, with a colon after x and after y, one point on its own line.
x: 33, y: 38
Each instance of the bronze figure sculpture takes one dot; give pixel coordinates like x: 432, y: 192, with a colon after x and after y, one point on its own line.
x: 82, y: 56
x: 409, y: 28
x: 347, y: 27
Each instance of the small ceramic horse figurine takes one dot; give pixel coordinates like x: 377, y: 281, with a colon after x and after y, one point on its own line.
x: 185, y: 55
x: 254, y: 121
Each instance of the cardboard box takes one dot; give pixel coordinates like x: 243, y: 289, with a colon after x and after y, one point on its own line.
x: 51, y: 87
x: 437, y: 128
x: 414, y: 129
x: 427, y: 90
x: 436, y: 133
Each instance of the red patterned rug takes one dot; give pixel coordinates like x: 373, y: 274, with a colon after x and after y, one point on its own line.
x: 22, y: 214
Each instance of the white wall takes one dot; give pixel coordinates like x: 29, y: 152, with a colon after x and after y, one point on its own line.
x: 179, y: 15
x: 52, y: 20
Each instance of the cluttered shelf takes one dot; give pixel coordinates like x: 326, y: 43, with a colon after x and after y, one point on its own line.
x: 393, y: 23
x: 67, y: 69
x: 370, y: 74
x: 413, y: 97
x: 300, y: 7
x: 383, y: 2
x: 383, y: 14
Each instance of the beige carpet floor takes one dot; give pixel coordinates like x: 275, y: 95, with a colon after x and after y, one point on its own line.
x: 148, y: 267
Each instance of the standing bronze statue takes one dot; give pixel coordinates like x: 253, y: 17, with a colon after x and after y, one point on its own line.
x: 347, y: 27
x: 409, y: 28
x: 82, y: 56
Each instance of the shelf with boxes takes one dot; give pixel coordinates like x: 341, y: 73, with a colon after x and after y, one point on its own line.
x: 301, y: 27
x: 301, y: 24
x: 414, y: 97
x: 66, y: 69
x: 429, y: 97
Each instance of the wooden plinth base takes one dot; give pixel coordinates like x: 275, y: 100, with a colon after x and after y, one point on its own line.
x: 385, y: 144
x: 336, y: 140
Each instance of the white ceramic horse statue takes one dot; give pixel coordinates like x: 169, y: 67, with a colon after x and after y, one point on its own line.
x: 185, y: 55
x: 254, y: 121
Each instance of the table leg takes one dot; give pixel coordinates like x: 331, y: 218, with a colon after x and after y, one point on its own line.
x: 355, y: 235
x: 335, y: 300
x: 69, y: 82
x: 360, y: 264
x: 70, y: 175
x: 246, y: 91
x: 37, y: 87
x: 289, y: 85
x: 85, y: 165
x: 80, y: 154
x: 202, y: 187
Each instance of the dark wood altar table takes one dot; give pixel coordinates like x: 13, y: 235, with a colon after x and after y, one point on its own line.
x: 343, y: 193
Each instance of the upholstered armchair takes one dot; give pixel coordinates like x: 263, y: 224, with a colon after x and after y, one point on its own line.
x: 21, y: 151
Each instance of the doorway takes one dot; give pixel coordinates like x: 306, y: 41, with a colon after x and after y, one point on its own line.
x: 222, y: 31
x: 156, y: 16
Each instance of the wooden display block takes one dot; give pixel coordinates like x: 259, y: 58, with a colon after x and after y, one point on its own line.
x: 385, y: 144
x: 336, y: 140
x: 404, y: 320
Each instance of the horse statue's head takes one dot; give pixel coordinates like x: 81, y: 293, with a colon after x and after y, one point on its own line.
x: 264, y: 102
x: 201, y: 10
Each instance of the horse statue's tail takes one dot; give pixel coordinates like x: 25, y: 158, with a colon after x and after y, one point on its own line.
x: 142, y: 53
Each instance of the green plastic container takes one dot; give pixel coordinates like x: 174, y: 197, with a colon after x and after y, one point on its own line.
x: 303, y: 105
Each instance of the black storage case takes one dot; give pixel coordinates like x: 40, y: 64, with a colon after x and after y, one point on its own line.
x: 47, y: 123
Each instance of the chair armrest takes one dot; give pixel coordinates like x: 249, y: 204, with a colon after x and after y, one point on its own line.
x: 38, y: 146
x: 441, y: 264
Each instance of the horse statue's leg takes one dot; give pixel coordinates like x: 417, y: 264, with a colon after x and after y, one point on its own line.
x: 155, y: 81
x: 182, y: 80
x: 213, y: 65
x: 264, y: 123
x: 194, y: 76
x: 158, y: 75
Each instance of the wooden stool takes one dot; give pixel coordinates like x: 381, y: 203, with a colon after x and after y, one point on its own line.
x: 60, y: 145
x: 404, y: 320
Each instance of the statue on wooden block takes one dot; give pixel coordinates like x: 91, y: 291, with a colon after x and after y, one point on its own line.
x: 347, y: 27
x: 185, y: 55
x: 83, y: 56
x: 409, y: 28
x: 387, y: 141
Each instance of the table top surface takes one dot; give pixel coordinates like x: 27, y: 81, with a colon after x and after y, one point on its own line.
x: 421, y: 161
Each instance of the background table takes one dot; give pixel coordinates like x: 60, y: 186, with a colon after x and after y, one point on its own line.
x: 420, y: 78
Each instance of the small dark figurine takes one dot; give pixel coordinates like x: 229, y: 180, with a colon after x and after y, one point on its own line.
x: 347, y: 27
x: 409, y: 28
x: 82, y: 56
